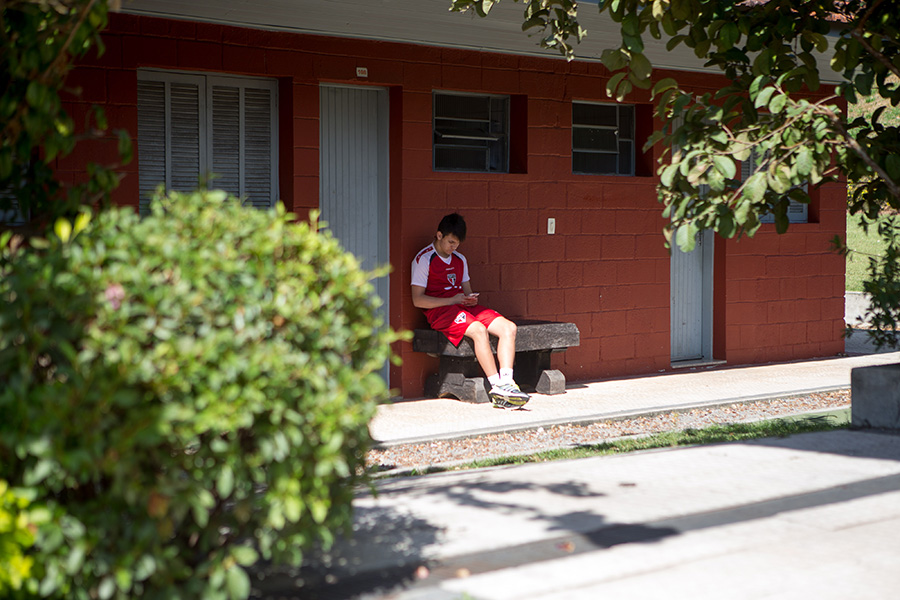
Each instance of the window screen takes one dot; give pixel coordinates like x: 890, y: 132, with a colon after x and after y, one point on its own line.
x: 471, y: 132
x: 602, y: 139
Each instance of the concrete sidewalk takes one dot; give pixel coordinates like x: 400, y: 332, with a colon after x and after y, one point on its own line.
x: 810, y: 516
x: 442, y: 418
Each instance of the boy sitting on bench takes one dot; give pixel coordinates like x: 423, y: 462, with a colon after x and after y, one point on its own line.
x: 441, y: 287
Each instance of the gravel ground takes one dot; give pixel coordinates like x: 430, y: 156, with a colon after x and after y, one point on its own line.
x: 449, y: 452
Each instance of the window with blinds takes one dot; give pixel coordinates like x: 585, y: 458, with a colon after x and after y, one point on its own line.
x: 471, y: 132
x: 602, y: 139
x: 797, y: 212
x: 212, y: 130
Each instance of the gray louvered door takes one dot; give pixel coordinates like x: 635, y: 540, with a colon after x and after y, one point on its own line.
x: 353, y: 174
x: 691, y: 301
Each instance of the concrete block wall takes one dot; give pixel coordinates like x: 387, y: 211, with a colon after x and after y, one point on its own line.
x: 605, y: 269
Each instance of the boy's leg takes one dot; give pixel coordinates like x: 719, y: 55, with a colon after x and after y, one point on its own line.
x: 506, y: 394
x: 481, y: 343
x: 505, y: 330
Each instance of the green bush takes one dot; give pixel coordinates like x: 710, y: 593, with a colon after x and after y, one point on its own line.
x: 184, y: 394
x: 16, y: 537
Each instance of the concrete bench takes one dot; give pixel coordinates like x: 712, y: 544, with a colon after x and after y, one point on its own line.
x: 461, y: 377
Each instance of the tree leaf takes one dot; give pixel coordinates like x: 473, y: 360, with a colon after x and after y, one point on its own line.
x: 245, y: 555
x: 225, y: 481
x: 755, y: 188
x: 640, y: 66
x: 763, y: 98
x: 613, y: 59
x: 777, y: 103
x: 237, y: 583
x: 804, y: 161
x: 659, y: 9
x: 634, y: 43
x: 668, y: 175
x: 63, y: 229
x: 686, y: 237
x: 613, y: 83
x: 729, y: 34
x: 663, y: 85
x: 892, y: 164
x: 725, y: 166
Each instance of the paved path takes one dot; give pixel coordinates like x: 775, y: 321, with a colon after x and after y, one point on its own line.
x: 810, y: 516
x: 443, y: 418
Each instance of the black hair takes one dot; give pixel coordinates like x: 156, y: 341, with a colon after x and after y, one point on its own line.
x: 453, y: 224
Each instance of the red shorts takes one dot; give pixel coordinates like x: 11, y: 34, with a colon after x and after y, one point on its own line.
x: 453, y: 321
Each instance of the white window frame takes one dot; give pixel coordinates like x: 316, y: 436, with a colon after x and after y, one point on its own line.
x: 622, y: 137
x: 797, y: 212
x: 493, y: 143
x: 155, y: 127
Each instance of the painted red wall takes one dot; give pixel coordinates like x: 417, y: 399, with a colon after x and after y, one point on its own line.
x: 606, y: 268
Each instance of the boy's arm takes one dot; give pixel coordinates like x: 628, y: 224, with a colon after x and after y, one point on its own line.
x: 424, y: 301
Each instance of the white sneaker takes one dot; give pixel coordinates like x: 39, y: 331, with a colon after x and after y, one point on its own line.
x: 508, y: 395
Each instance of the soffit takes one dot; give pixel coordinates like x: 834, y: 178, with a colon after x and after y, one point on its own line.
x: 426, y: 22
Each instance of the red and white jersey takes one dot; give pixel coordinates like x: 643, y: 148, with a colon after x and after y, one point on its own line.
x: 441, y: 278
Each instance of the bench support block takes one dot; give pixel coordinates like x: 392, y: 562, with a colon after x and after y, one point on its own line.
x: 457, y: 385
x: 552, y: 382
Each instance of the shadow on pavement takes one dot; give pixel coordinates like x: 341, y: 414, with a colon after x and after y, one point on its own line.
x: 383, y: 553
x: 386, y: 550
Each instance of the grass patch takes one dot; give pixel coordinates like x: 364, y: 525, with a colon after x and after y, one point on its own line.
x: 715, y: 434
x: 862, y: 246
x: 868, y: 105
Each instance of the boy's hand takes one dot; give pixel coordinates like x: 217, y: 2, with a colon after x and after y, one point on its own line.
x: 470, y: 299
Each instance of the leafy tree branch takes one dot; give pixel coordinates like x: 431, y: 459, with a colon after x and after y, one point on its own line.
x: 40, y: 39
x: 772, y: 54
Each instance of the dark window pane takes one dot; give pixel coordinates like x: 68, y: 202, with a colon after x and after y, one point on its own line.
x: 585, y: 138
x: 594, y: 114
x: 450, y: 106
x: 499, y: 157
x: 625, y: 158
x: 626, y: 122
x: 471, y: 133
x: 594, y: 163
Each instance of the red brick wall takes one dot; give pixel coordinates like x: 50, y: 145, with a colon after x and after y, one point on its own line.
x: 605, y: 269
